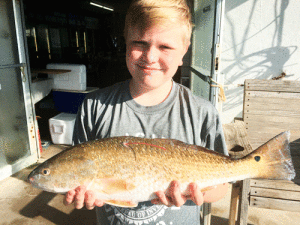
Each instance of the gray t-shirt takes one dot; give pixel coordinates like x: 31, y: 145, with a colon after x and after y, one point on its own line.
x: 112, y: 112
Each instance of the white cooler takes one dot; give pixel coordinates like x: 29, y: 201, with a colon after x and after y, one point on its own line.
x: 61, y: 128
x: 74, y: 80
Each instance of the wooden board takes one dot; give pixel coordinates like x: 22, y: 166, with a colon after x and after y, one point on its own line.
x: 237, y: 140
x: 273, y: 85
x: 272, y: 107
x: 276, y: 184
x: 235, y: 192
x: 244, y: 202
x: 50, y: 71
x: 275, y: 193
x: 277, y: 114
x: 275, y: 189
x: 270, y: 94
x: 270, y: 203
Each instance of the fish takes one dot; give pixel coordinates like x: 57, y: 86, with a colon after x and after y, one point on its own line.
x: 124, y: 171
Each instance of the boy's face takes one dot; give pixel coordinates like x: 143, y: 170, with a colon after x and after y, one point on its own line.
x: 153, y: 56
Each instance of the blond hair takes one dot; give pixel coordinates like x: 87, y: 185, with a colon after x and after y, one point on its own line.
x: 148, y: 13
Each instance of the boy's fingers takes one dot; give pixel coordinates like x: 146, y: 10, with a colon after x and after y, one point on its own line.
x: 89, y: 200
x: 99, y: 203
x: 196, y: 194
x: 161, y: 198
x: 174, y: 191
x: 69, y: 197
x: 174, y: 196
x: 79, y: 197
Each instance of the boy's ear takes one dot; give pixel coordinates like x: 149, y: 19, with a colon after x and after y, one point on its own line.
x: 185, y: 51
x: 187, y: 47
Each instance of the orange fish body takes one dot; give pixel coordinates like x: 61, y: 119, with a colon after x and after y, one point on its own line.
x: 126, y: 170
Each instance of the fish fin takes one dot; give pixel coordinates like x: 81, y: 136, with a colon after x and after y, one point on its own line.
x: 273, y: 159
x: 125, y: 204
x: 207, y: 189
x: 111, y: 186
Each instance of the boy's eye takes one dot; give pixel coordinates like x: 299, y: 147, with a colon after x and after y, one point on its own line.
x: 166, y: 47
x: 139, y: 43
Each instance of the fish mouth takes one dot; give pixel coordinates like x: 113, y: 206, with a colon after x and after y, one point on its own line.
x: 30, y: 178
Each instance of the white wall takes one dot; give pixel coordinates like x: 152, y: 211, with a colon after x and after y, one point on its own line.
x: 260, y: 40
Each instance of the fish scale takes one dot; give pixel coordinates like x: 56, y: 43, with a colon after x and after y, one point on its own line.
x: 123, y: 171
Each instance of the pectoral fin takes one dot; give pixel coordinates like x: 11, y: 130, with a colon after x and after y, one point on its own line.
x: 111, y: 186
x: 125, y: 204
x: 208, y: 189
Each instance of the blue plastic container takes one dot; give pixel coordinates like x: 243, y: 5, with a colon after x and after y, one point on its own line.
x: 68, y: 101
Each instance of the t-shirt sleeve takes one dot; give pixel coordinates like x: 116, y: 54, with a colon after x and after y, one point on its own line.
x: 215, y: 136
x: 83, y: 128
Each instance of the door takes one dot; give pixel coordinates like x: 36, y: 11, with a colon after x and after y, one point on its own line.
x: 18, y: 142
x: 205, y: 47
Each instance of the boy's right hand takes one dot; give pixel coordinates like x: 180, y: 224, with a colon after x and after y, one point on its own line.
x: 80, y: 197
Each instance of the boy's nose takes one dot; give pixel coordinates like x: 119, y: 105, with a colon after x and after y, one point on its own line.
x: 151, y: 55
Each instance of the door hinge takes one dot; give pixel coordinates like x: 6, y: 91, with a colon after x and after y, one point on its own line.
x: 217, y: 64
x: 217, y: 59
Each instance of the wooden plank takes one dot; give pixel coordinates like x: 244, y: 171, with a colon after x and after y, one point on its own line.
x: 235, y: 192
x: 260, y: 127
x: 50, y: 71
x: 275, y: 193
x: 244, y: 203
x: 276, y: 184
x: 237, y: 139
x: 270, y: 94
x: 272, y: 85
x: 273, y: 109
x: 274, y: 96
x: 260, y: 113
x: 265, y: 133
x: 294, y: 149
x: 278, y: 204
x: 272, y: 106
x: 260, y: 135
x: 286, y: 123
x: 261, y: 138
x: 206, y: 207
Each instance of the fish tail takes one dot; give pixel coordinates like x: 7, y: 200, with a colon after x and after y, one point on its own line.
x: 273, y: 159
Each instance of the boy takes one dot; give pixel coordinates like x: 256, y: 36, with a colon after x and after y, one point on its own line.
x: 151, y: 105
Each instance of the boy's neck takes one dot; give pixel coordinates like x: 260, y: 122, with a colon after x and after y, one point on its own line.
x: 150, y: 97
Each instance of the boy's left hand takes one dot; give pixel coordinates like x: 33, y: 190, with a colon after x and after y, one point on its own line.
x: 174, y: 196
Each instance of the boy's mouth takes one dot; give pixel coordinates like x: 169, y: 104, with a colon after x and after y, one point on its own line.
x: 149, y: 68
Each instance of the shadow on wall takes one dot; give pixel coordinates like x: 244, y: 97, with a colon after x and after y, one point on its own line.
x: 241, y: 60
x: 268, y: 63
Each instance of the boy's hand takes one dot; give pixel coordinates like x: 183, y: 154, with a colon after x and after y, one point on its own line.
x: 80, y: 197
x: 174, y: 196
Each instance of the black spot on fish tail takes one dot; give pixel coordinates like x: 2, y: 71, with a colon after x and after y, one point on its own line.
x: 273, y: 159
x: 257, y: 158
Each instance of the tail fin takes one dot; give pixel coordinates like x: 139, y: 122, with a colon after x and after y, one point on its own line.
x: 273, y: 159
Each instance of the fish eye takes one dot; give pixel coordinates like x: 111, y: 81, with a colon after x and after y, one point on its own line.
x: 257, y: 158
x: 46, y: 171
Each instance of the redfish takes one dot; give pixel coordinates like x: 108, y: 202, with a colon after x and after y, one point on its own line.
x: 124, y: 171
